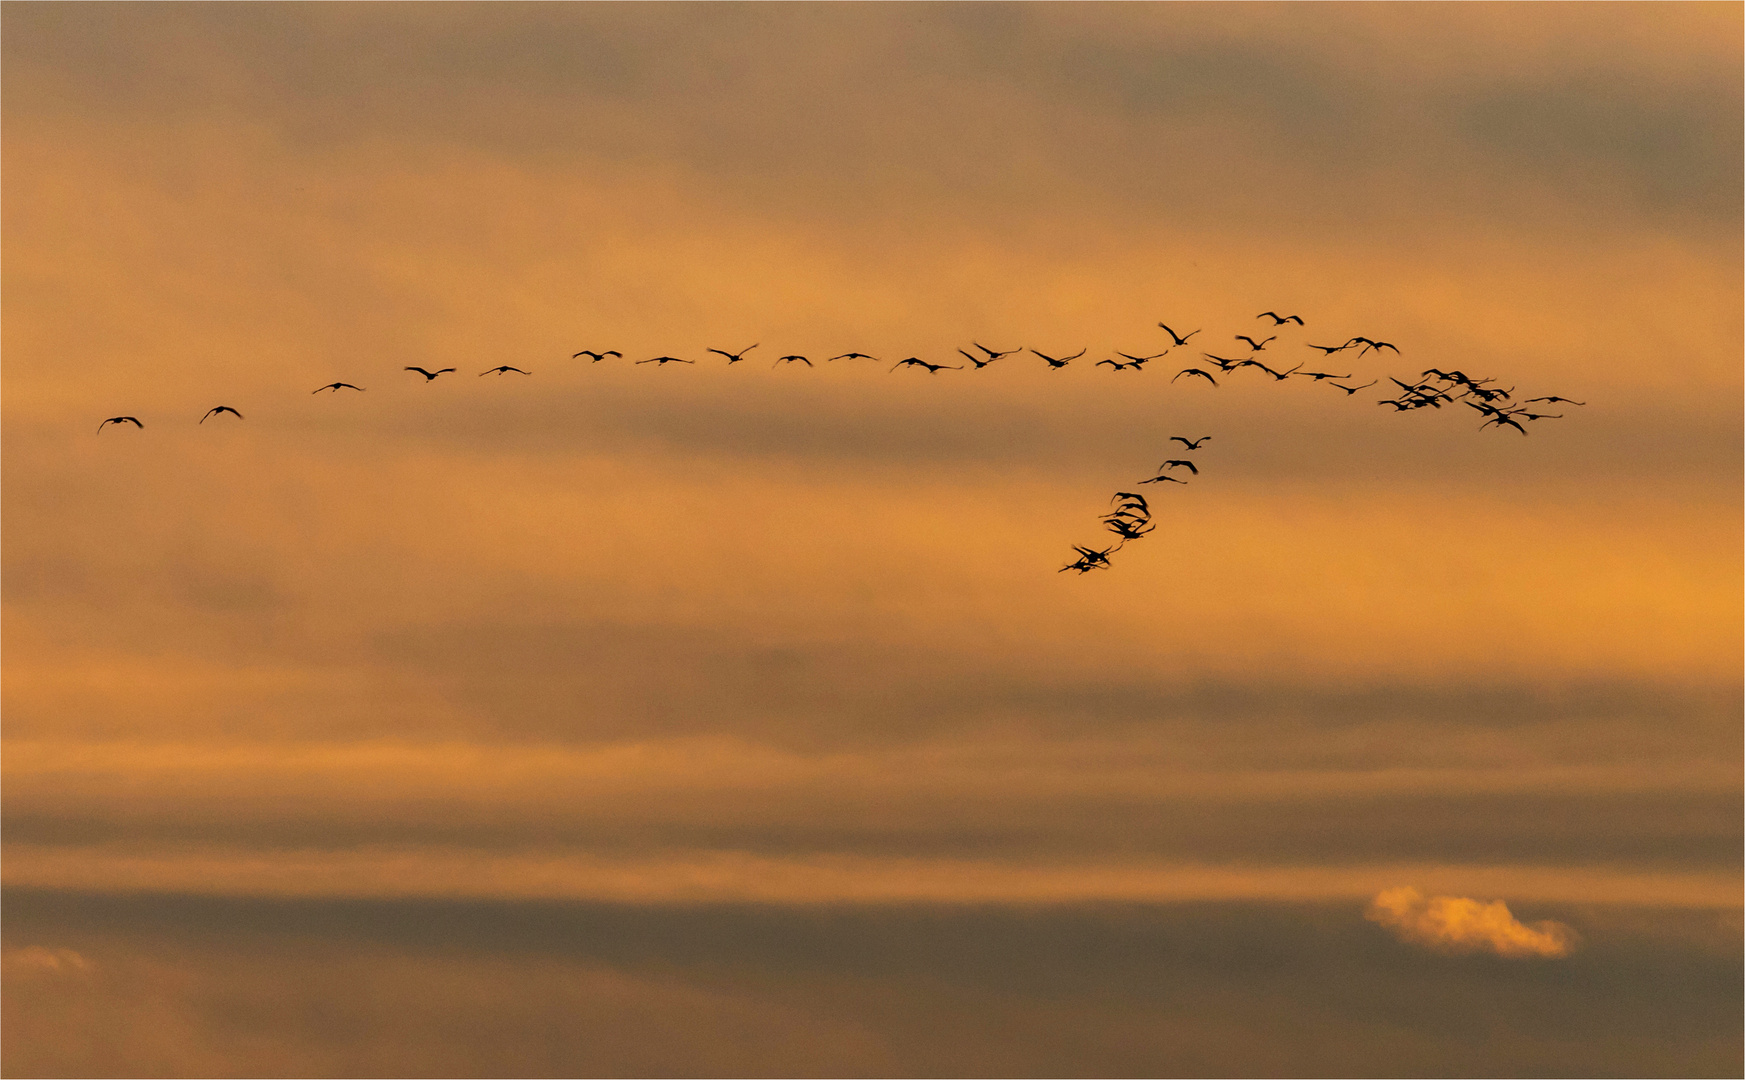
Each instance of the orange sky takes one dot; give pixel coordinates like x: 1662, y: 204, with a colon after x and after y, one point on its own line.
x: 618, y: 632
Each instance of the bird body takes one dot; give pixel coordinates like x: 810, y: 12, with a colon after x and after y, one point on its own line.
x: 120, y: 420
x: 790, y: 359
x: 220, y: 409
x: 336, y: 387
x: 1196, y: 371
x: 916, y: 361
x: 1253, y: 344
x: 663, y: 361
x: 734, y: 358
x: 429, y: 375
x: 1190, y: 444
x: 503, y: 370
x: 1054, y: 364
x: 1280, y: 320
x: 598, y: 356
x: 1177, y: 338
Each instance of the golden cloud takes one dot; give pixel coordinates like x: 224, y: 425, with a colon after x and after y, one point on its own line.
x: 1459, y: 924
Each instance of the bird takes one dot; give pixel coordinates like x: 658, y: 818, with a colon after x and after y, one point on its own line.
x: 1281, y: 376
x: 1054, y: 364
x: 1127, y: 529
x: 1280, y: 320
x: 1319, y: 375
x: 428, y: 375
x: 1539, y: 416
x: 1553, y: 399
x: 504, y: 369
x: 1368, y: 344
x: 790, y: 359
x: 1502, y: 418
x: 1349, y: 390
x: 859, y: 356
x: 1089, y: 559
x: 974, y: 359
x: 663, y: 361
x: 1142, y: 359
x: 1178, y: 463
x: 1195, y: 371
x: 1225, y: 363
x: 734, y: 357
x: 1160, y: 477
x: 120, y: 420
x: 598, y: 356
x: 1329, y: 349
x: 1118, y: 366
x: 220, y: 409
x: 1255, y: 345
x: 993, y: 354
x: 1193, y: 445
x: 1179, y: 340
x: 335, y: 387
x: 916, y: 361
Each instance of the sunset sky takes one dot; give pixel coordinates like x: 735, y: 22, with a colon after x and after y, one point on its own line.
x: 628, y: 719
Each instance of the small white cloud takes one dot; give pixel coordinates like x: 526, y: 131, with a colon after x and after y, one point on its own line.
x: 1458, y: 924
x: 38, y: 958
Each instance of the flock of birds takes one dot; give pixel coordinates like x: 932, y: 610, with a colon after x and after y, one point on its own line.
x: 1131, y: 518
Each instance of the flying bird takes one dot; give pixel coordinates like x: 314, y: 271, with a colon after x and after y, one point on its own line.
x: 1142, y: 359
x: 663, y: 361
x: 120, y: 420
x: 1368, y: 344
x: 428, y: 375
x: 1178, y: 463
x: 1225, y: 363
x: 1553, y: 399
x: 916, y: 361
x: 335, y: 387
x: 1177, y: 338
x: 1280, y: 320
x: 1195, y: 371
x: 1255, y: 345
x: 790, y: 359
x: 220, y: 409
x: 1194, y: 445
x: 503, y: 370
x: 1319, y: 375
x: 1117, y: 365
x: 992, y: 354
x: 1161, y: 477
x: 598, y: 356
x: 974, y: 359
x: 1349, y: 390
x: 734, y: 357
x: 859, y: 356
x: 1054, y: 364
x: 1329, y: 349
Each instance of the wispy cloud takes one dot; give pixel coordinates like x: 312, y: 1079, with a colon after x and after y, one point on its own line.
x: 1460, y: 924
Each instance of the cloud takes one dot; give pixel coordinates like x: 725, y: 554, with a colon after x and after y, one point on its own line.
x: 1459, y: 924
x: 36, y: 958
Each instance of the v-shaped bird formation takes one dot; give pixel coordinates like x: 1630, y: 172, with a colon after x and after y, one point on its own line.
x: 1131, y: 518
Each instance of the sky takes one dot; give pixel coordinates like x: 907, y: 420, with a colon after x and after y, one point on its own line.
x: 624, y: 719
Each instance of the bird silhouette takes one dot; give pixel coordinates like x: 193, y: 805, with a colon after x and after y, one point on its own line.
x: 335, y: 387
x: 1368, y: 345
x: 598, y: 356
x: 1195, y: 371
x: 995, y: 354
x: 1193, y: 445
x: 1253, y: 344
x: 1161, y: 478
x: 1280, y: 320
x: 859, y: 356
x: 121, y: 420
x: 790, y: 359
x: 1553, y: 399
x: 1177, y: 338
x: 734, y: 357
x: 916, y: 361
x: 220, y: 409
x: 1055, y: 365
x: 428, y: 375
x: 1178, y: 463
x: 1319, y: 375
x: 1225, y: 363
x: 1142, y: 359
x: 663, y: 361
x: 1349, y: 390
x: 1117, y: 365
x: 974, y: 359
x: 503, y: 370
x: 1329, y: 349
